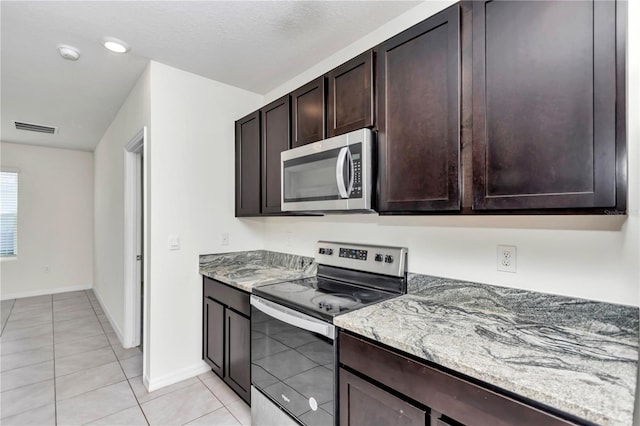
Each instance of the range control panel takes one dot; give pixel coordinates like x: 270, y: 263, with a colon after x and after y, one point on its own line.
x: 353, y: 253
x: 377, y: 259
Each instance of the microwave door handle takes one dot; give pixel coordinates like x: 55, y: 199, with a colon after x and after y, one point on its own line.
x: 342, y: 156
x: 351, y: 174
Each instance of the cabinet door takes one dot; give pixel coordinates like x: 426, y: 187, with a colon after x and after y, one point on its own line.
x: 544, y: 104
x: 308, y: 113
x: 238, y: 354
x: 275, y: 139
x: 362, y: 404
x: 248, y: 165
x: 350, y: 95
x: 214, y: 341
x: 418, y: 87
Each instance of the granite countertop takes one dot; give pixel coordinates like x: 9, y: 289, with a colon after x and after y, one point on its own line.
x: 574, y: 355
x: 247, y: 269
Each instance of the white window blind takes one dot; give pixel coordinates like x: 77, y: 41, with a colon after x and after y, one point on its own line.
x: 8, y: 213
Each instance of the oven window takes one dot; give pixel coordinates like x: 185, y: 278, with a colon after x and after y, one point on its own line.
x: 293, y: 367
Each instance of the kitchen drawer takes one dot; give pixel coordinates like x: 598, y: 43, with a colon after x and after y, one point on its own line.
x: 236, y: 299
x: 459, y: 399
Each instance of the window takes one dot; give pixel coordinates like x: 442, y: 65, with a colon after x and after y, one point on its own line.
x: 8, y: 212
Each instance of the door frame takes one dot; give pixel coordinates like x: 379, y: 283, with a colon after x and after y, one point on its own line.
x: 133, y: 235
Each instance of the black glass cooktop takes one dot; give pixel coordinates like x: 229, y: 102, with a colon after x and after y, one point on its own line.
x: 321, y: 297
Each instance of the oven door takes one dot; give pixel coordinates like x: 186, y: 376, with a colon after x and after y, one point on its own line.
x: 292, y: 362
x: 333, y: 174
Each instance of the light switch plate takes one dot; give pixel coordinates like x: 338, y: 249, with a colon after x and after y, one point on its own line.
x: 174, y: 242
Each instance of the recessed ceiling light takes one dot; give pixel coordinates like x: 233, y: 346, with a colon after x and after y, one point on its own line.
x: 115, y: 45
x: 69, y: 52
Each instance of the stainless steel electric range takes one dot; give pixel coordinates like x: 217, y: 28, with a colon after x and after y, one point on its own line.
x: 292, y: 332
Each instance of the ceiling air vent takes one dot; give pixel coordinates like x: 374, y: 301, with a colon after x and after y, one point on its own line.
x: 30, y: 127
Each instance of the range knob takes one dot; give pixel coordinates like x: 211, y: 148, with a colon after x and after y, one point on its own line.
x: 329, y: 251
x: 388, y: 259
x: 378, y: 257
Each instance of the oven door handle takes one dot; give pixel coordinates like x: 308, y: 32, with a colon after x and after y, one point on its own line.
x: 294, y: 318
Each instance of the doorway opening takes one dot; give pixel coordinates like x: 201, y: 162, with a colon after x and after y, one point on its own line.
x: 134, y: 250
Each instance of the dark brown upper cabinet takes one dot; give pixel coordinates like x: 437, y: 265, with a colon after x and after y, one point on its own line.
x: 308, y: 113
x: 418, y: 89
x: 275, y: 139
x: 548, y: 105
x: 350, y: 95
x: 248, y: 165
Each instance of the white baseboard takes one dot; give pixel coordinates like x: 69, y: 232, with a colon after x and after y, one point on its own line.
x: 44, y: 292
x: 175, y: 377
x: 107, y: 313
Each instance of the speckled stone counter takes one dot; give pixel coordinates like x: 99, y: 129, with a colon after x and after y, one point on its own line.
x: 574, y: 355
x: 247, y: 269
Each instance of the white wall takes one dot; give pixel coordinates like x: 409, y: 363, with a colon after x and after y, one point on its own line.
x: 109, y: 200
x: 590, y: 257
x: 191, y: 196
x: 55, y: 221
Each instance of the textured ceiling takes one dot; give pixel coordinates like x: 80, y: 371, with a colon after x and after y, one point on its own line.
x: 253, y: 45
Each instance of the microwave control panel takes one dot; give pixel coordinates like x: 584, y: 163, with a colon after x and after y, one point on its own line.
x: 356, y: 191
x: 356, y: 159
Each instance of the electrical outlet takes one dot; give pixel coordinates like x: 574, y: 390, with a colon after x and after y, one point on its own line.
x: 506, y: 256
x: 224, y: 239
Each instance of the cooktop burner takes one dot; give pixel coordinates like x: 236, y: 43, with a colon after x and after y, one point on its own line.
x: 335, y: 302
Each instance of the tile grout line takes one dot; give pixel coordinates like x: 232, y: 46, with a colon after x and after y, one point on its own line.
x: 212, y: 393
x: 7, y: 321
x: 211, y: 412
x: 103, y: 334
x: 223, y: 404
x: 26, y: 366
x: 55, y: 402
x: 121, y: 368
x: 30, y: 365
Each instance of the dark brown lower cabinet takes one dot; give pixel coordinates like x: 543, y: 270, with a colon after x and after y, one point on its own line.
x: 237, y: 345
x: 214, y: 335
x: 379, y: 386
x: 362, y: 403
x: 226, y: 333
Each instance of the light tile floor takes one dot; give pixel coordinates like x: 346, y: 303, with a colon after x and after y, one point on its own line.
x: 61, y: 363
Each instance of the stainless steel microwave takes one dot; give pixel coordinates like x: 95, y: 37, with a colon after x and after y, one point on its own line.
x: 334, y: 174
